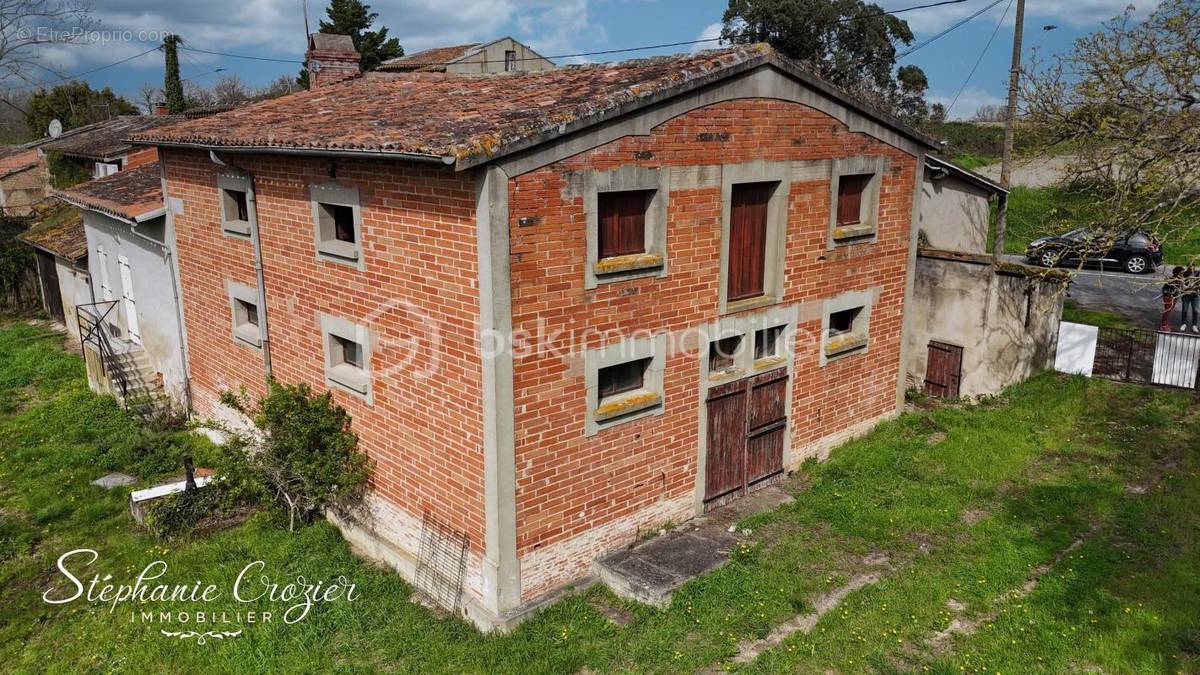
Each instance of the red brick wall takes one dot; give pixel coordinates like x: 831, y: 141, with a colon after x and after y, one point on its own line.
x: 139, y: 156
x: 419, y: 247
x: 568, y: 483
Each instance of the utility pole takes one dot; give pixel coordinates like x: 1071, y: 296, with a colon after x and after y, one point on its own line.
x: 1010, y: 120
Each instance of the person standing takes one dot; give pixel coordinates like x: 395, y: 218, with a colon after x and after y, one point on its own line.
x: 1190, y: 298
x: 1170, y: 297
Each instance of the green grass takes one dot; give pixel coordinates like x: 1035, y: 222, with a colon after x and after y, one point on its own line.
x: 1095, y: 317
x: 1048, y: 462
x: 1037, y: 212
x: 972, y: 161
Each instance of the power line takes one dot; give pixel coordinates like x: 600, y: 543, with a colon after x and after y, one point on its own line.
x: 76, y: 76
x: 929, y: 41
x: 603, y: 52
x: 980, y: 59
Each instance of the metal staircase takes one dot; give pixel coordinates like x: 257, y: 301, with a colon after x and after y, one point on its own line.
x: 127, y: 367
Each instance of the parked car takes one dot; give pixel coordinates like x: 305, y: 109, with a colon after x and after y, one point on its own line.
x: 1136, y: 251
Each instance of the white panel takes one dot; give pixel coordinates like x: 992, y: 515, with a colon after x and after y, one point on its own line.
x: 1175, y: 360
x: 1076, y: 348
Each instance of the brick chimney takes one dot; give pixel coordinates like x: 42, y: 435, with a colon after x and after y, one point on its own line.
x: 160, y: 108
x: 330, y: 59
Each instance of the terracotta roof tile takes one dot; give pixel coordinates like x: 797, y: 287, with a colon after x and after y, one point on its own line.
x: 127, y: 194
x: 59, y: 230
x: 107, y: 139
x: 430, y: 60
x: 471, y: 118
x: 15, y: 162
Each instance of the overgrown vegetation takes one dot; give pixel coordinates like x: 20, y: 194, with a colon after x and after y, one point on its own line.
x: 1095, y: 317
x: 306, y: 457
x: 18, y: 280
x: 1085, y: 487
x: 65, y: 171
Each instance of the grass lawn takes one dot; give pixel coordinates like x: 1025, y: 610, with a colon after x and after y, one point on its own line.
x: 1057, y: 524
x: 1037, y: 212
x: 1095, y: 317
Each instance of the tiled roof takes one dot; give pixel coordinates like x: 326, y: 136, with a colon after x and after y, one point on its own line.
x: 430, y: 60
x: 469, y: 119
x: 129, y: 194
x: 16, y: 161
x: 107, y: 139
x: 59, y: 230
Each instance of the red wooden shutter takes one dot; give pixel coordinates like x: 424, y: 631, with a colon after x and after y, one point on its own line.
x: 747, y: 240
x: 850, y: 190
x: 622, y: 222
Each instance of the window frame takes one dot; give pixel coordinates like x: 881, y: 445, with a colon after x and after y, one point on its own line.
x: 235, y: 227
x: 329, y: 247
x: 652, y: 261
x: 779, y: 173
x: 604, y: 412
x: 339, y: 373
x: 858, y: 339
x: 244, y: 332
x: 866, y: 229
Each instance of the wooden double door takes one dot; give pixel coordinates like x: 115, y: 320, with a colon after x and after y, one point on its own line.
x: 747, y: 426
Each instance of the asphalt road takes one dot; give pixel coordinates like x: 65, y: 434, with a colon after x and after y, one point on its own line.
x: 1134, y: 296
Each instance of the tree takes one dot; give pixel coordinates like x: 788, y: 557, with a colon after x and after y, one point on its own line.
x: 990, y: 112
x: 25, y: 30
x: 74, y: 104
x: 850, y: 43
x: 1127, y: 99
x: 149, y: 96
x: 229, y: 89
x: 172, y: 85
x: 354, y: 18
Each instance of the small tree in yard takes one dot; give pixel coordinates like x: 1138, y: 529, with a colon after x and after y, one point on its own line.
x: 1127, y: 99
x: 306, y: 456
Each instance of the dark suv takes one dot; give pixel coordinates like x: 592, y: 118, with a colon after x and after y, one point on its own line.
x: 1135, y: 251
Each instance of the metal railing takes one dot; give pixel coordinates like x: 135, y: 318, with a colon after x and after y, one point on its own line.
x: 1148, y: 357
x: 93, y: 331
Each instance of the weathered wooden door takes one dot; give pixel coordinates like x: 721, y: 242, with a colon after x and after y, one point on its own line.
x: 747, y: 422
x: 51, y: 292
x: 943, y: 370
x: 747, y: 240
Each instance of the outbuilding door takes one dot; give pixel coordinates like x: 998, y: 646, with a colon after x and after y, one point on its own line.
x: 51, y: 292
x: 747, y: 422
x: 943, y: 370
x: 130, y: 305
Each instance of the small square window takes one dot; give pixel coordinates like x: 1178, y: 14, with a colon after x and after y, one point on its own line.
x: 247, y: 313
x: 841, y: 323
x: 850, y: 194
x: 622, y: 378
x: 768, y: 342
x: 622, y: 222
x: 722, y: 353
x: 244, y: 303
x: 337, y: 220
x: 235, y: 205
x: 347, y: 352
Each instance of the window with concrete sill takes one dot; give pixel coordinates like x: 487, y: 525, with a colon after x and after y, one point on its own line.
x: 245, y: 322
x: 235, y: 212
x: 338, y: 231
x: 847, y: 332
x: 722, y: 358
x: 347, y: 365
x: 621, y: 235
x: 623, y: 392
x: 769, y: 344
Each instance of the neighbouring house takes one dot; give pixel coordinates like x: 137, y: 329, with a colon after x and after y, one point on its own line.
x: 978, y: 323
x: 22, y: 180
x: 497, y: 56
x: 132, y: 331
x: 564, y: 307
x: 60, y: 249
x: 102, y: 149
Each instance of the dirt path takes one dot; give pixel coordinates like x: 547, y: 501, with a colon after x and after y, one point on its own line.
x: 1037, y: 171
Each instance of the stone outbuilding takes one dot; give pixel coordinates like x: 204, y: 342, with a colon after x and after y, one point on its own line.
x: 498, y: 56
x: 978, y: 323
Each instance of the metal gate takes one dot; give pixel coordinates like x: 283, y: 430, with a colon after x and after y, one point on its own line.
x: 1147, y: 357
x: 943, y: 370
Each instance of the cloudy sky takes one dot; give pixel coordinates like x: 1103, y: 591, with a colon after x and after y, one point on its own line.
x: 274, y: 29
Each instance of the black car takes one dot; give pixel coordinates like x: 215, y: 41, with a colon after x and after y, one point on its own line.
x: 1136, y: 251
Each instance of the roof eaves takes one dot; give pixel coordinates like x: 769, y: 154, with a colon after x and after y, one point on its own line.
x: 966, y: 174
x: 307, y: 151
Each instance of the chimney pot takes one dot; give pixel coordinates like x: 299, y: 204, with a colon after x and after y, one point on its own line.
x: 330, y: 59
x: 160, y: 108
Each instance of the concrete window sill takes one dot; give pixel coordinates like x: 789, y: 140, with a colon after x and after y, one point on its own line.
x: 237, y: 228
x: 349, y: 377
x: 626, y: 404
x: 627, y: 263
x: 845, y: 344
x: 339, y: 251
x: 769, y: 363
x: 726, y: 375
x: 750, y: 303
x: 853, y: 233
x: 248, y: 333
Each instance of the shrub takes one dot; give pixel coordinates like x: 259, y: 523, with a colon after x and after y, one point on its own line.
x: 306, y: 456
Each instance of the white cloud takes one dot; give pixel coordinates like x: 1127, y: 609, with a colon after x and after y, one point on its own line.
x: 969, y: 102
x: 712, y: 30
x: 1077, y: 13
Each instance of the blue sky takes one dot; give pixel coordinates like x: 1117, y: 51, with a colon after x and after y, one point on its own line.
x: 275, y: 29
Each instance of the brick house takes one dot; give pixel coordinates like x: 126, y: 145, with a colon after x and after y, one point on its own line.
x: 103, y: 148
x: 564, y: 307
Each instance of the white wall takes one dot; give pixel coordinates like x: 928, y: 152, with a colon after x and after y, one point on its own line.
x: 153, y: 290
x: 490, y: 59
x: 955, y: 214
x: 75, y: 287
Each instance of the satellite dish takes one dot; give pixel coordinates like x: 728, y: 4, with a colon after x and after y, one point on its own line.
x: 55, y: 128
